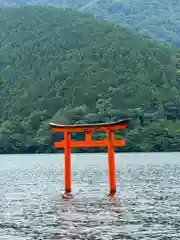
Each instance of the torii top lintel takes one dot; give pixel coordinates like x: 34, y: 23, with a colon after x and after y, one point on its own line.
x: 113, y: 126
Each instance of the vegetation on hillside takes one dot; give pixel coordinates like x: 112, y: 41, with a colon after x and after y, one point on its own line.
x: 63, y: 66
x: 157, y: 19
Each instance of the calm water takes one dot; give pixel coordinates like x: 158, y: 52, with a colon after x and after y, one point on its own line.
x: 147, y: 204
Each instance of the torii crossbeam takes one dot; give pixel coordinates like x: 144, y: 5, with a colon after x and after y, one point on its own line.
x: 110, y: 142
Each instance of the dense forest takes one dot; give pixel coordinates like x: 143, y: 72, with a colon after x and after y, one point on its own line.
x: 64, y: 66
x: 155, y: 18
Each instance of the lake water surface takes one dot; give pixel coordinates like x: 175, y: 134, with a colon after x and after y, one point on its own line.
x: 147, y: 205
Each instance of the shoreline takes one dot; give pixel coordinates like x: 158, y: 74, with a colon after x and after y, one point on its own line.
x: 85, y: 153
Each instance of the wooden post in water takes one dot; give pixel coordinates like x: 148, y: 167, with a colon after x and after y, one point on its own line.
x: 88, y: 129
x: 67, y: 162
x: 111, y: 164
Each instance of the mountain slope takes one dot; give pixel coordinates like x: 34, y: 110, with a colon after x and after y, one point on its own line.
x: 68, y: 67
x: 158, y: 19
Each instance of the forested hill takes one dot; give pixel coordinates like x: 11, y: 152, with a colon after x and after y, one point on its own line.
x: 60, y: 65
x: 158, y: 19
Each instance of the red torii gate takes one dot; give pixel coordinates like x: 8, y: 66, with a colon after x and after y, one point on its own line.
x: 110, y: 142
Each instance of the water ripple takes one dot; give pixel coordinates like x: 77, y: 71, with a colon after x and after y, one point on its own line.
x: 146, y: 206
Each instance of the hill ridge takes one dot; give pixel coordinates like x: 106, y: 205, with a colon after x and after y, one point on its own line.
x: 156, y: 19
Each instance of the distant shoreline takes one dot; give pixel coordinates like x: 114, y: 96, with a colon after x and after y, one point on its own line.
x: 61, y: 153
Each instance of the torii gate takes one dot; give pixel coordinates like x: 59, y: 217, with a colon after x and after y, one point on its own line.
x: 88, y: 129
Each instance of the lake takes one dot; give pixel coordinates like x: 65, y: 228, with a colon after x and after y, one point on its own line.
x: 146, y: 207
